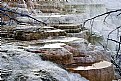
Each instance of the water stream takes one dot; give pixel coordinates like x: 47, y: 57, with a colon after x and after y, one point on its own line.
x: 26, y: 66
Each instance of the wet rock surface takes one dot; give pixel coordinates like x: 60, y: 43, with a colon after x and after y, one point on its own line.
x: 67, y: 52
x: 77, y: 55
x: 21, y: 65
x: 59, y: 56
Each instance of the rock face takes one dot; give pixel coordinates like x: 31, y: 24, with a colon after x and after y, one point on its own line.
x: 84, y: 61
x: 69, y: 28
x: 92, y: 63
x: 53, y: 52
x: 71, y: 49
x: 29, y: 33
x: 79, y: 45
x: 19, y: 65
x: 59, y: 56
x: 77, y: 55
x: 102, y: 71
x: 96, y: 55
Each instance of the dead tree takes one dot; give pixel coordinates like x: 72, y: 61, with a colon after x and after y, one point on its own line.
x: 106, y: 14
x: 3, y: 12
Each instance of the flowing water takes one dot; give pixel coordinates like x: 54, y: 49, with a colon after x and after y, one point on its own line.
x: 26, y: 66
x: 20, y: 65
x: 91, y: 8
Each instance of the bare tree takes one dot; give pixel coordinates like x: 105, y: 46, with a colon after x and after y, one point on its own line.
x: 117, y: 55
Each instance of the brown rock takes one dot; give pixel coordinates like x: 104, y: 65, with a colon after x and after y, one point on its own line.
x: 85, y: 61
x: 73, y: 50
x: 59, y: 56
x: 102, y: 71
x: 87, y: 58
